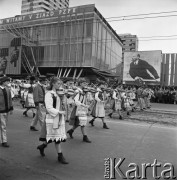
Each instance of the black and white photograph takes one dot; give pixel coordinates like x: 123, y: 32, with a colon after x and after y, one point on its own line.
x: 88, y: 89
x: 142, y: 64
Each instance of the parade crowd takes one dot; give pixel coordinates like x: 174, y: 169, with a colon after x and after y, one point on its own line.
x: 55, y: 102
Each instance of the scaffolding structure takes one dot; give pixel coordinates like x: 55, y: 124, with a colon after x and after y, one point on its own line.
x: 25, y: 40
x: 75, y: 43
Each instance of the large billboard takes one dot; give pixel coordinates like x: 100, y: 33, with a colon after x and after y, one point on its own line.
x: 48, y: 14
x: 10, y: 58
x: 144, y: 65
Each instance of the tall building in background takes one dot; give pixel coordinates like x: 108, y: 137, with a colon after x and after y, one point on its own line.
x: 130, y: 42
x: 35, y: 6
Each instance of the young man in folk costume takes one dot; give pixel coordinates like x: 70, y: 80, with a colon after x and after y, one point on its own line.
x: 80, y: 111
x: 140, y: 102
x: 5, y: 108
x: 39, y: 94
x: 146, y: 93
x: 151, y: 94
x: 116, y: 103
x: 54, y: 126
x: 99, y: 110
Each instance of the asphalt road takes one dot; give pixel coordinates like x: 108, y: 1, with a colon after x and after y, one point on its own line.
x: 137, y: 142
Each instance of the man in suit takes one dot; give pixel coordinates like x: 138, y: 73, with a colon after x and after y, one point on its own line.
x: 5, y: 108
x: 142, y: 69
x: 38, y: 95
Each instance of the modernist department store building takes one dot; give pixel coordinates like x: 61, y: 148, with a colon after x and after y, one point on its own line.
x: 70, y: 42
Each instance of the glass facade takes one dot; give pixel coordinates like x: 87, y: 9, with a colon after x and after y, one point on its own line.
x: 80, y: 39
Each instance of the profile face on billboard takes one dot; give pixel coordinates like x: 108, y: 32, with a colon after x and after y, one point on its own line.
x: 143, y: 65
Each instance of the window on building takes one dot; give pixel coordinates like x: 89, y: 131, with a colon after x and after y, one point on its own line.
x: 88, y: 28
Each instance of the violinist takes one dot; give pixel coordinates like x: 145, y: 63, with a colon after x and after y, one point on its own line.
x: 99, y: 110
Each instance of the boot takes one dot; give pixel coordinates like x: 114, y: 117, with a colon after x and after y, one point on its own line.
x: 70, y: 132
x: 25, y: 113
x: 41, y: 149
x: 86, y: 139
x: 110, y: 115
x: 128, y: 113
x: 105, y: 126
x: 5, y: 145
x: 34, y: 115
x: 120, y: 117
x: 91, y: 122
x: 32, y: 128
x: 61, y: 159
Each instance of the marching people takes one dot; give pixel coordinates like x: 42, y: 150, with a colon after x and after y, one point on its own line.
x: 22, y: 99
x: 69, y: 103
x: 145, y: 94
x: 90, y: 99
x: 127, y: 105
x: 116, y: 103
x: 150, y: 95
x: 39, y: 94
x: 55, y: 123
x: 98, y: 110
x: 140, y: 102
x: 80, y: 111
x: 29, y: 100
x: 6, y: 107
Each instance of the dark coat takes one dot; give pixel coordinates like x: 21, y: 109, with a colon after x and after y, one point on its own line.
x: 140, y: 70
x: 5, y: 100
x: 39, y: 94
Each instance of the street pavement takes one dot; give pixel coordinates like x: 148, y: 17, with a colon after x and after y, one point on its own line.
x: 136, y: 142
x: 164, y: 107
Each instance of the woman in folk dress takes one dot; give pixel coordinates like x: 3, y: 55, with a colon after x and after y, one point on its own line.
x: 80, y: 112
x: 132, y: 96
x: 99, y: 109
x: 116, y: 97
x: 55, y: 123
x: 126, y: 98
x: 29, y: 103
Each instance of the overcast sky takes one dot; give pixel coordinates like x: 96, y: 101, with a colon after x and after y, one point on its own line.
x: 161, y: 26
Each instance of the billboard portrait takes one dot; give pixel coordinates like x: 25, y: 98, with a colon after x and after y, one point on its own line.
x: 144, y: 65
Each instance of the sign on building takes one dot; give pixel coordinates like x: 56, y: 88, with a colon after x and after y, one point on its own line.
x: 144, y: 65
